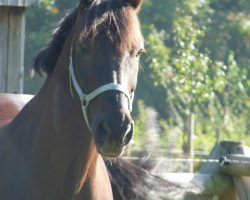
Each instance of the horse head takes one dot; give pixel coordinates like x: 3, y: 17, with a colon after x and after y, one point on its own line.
x: 105, y: 52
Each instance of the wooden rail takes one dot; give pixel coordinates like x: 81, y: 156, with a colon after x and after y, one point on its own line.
x: 202, y: 185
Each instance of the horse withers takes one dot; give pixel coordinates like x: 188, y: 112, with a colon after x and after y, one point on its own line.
x: 53, y: 147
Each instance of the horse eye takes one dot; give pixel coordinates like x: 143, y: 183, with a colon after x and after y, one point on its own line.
x: 140, y: 52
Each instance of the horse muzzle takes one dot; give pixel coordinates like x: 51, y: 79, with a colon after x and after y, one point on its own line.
x: 112, y: 135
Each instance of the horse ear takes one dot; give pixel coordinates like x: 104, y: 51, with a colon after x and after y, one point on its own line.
x: 136, y: 4
x: 85, y: 3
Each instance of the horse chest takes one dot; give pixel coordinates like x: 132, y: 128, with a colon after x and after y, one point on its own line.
x: 102, y: 189
x: 97, y: 185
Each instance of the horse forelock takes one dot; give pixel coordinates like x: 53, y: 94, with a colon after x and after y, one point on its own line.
x: 114, y: 18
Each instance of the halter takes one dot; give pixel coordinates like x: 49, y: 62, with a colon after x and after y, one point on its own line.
x: 85, y: 99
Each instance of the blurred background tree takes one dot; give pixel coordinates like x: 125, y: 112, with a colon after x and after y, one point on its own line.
x: 197, y: 62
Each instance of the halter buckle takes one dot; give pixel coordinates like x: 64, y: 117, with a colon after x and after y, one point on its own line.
x: 84, y: 101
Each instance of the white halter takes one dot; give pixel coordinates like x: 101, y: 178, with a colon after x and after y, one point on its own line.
x: 85, y: 99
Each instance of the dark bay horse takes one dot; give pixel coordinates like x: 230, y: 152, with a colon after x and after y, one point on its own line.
x: 53, y: 148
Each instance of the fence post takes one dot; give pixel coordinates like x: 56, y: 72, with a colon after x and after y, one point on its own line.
x: 242, y: 183
x: 12, y: 36
x: 190, y: 139
x: 213, y: 168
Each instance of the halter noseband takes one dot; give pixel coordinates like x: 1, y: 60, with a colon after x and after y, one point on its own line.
x: 85, y: 99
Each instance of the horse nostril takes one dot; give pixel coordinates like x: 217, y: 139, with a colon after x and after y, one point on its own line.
x: 103, y: 131
x: 128, y: 135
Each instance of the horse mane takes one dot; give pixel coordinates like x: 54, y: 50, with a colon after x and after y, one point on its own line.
x: 130, y: 182
x: 114, y: 18
x: 46, y: 59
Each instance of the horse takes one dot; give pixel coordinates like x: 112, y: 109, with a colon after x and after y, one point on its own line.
x: 129, y: 181
x: 53, y: 148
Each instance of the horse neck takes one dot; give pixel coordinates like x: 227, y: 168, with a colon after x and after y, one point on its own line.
x: 51, y: 132
x: 63, y: 124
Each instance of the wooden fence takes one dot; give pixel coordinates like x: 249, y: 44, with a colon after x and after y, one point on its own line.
x: 225, y: 175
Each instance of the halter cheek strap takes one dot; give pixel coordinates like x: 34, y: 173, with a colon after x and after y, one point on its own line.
x: 85, y: 99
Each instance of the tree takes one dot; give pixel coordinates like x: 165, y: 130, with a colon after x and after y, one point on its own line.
x: 191, y: 54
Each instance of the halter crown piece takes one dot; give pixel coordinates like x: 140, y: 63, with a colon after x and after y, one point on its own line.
x: 85, y: 99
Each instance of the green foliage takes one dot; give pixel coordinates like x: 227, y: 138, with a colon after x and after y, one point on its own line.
x: 140, y: 125
x: 40, y: 21
x: 197, y: 55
